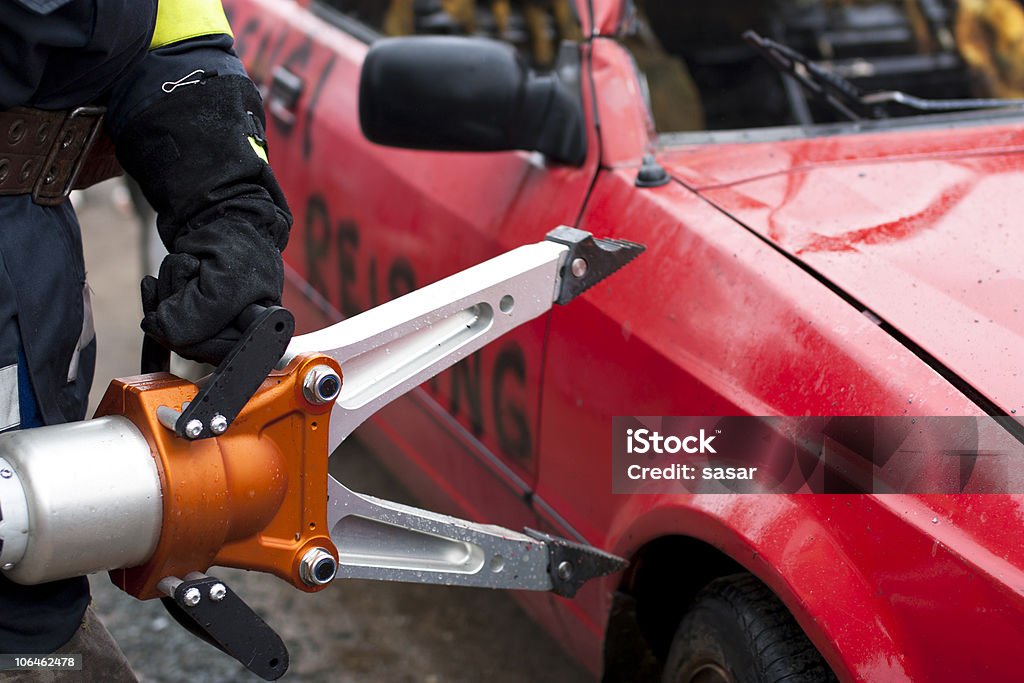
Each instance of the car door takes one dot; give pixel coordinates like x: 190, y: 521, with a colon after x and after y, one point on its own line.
x: 372, y: 223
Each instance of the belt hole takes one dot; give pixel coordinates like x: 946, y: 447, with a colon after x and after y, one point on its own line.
x: 26, y: 170
x: 5, y: 169
x: 16, y: 132
x: 43, y: 133
x: 51, y: 175
x: 66, y: 141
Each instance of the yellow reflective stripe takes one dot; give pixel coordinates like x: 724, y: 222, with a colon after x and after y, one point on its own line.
x: 178, y: 20
x: 258, y: 148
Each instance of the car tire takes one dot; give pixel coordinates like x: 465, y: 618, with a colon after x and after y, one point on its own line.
x: 737, y: 631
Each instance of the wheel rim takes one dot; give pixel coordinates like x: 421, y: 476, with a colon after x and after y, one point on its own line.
x: 709, y: 672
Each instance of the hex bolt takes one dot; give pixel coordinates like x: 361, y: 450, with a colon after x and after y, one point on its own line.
x: 318, y: 567
x: 192, y: 597
x: 218, y: 592
x: 321, y: 385
x: 6, y: 473
x: 193, y: 429
x: 564, y: 570
x: 579, y: 267
x: 218, y: 424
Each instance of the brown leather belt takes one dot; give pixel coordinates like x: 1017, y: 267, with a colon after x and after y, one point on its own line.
x: 49, y: 153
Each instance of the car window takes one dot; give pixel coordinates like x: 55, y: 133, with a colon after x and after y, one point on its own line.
x: 702, y: 75
x: 535, y: 27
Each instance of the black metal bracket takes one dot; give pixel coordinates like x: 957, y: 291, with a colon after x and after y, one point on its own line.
x: 226, y: 391
x: 590, y: 260
x: 211, y: 611
x: 571, y: 564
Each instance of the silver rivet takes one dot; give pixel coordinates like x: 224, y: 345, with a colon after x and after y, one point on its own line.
x: 8, y: 566
x: 193, y: 429
x: 579, y: 267
x: 218, y: 424
x: 318, y: 567
x: 565, y: 570
x: 192, y: 597
x: 16, y: 132
x: 6, y: 473
x: 218, y: 592
x: 321, y: 385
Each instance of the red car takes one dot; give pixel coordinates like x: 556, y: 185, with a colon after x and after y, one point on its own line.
x: 801, y: 260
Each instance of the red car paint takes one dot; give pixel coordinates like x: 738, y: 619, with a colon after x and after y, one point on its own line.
x: 733, y: 310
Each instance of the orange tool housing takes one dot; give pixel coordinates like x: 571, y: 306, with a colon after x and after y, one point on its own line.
x: 253, y: 498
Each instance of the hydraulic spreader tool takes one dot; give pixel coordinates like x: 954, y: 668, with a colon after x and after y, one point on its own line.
x: 170, y: 477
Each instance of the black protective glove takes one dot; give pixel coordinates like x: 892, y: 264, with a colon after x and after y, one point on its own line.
x: 221, y: 213
x: 217, y: 271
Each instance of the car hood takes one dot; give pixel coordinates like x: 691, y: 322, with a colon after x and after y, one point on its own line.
x: 924, y: 230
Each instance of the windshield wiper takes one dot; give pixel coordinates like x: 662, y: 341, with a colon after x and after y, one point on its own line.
x: 924, y: 104
x: 845, y: 97
x: 836, y: 91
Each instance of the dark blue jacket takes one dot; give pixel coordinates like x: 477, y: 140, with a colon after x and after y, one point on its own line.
x: 59, y: 54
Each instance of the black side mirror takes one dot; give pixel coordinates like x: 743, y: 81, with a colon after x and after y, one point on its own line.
x: 460, y: 94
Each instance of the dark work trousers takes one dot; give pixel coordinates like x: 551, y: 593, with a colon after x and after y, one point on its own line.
x: 47, y: 354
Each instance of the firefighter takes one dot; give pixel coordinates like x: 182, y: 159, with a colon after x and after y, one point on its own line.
x: 536, y: 15
x: 187, y: 123
x: 675, y: 101
x: 990, y: 37
x: 460, y: 16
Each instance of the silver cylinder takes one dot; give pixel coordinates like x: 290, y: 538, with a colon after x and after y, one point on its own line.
x: 92, y: 493
x: 13, y: 516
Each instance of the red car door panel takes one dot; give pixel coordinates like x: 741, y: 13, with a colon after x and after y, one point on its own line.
x: 372, y: 223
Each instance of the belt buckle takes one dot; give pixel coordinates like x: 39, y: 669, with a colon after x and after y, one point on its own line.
x: 41, y: 194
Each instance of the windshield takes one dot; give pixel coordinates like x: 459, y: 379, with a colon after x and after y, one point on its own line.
x: 702, y: 75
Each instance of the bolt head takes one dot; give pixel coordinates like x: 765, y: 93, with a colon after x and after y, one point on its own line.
x: 564, y: 570
x: 192, y: 597
x: 321, y: 385
x: 218, y: 592
x: 318, y: 567
x: 218, y: 424
x: 6, y: 473
x: 194, y: 428
x: 579, y: 267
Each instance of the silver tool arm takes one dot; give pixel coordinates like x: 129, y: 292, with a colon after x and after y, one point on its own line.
x: 382, y: 540
x: 393, y: 348
x: 389, y: 350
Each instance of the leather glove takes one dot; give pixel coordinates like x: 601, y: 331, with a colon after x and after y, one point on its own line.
x: 216, y: 273
x: 221, y: 213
